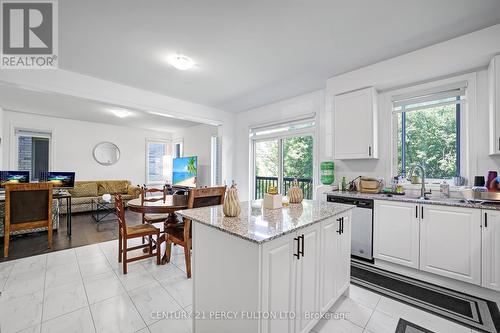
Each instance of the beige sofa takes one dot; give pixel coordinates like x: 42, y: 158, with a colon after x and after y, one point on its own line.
x: 84, y: 191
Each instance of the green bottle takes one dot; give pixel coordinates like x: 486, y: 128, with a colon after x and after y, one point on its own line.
x: 327, y: 177
x: 344, y: 184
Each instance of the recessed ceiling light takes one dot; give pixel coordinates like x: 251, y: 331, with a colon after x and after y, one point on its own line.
x: 120, y: 113
x: 181, y: 62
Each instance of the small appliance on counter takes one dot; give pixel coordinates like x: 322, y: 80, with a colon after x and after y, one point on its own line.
x: 369, y: 185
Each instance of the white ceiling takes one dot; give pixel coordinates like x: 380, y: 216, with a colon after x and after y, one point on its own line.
x: 251, y: 53
x: 70, y: 107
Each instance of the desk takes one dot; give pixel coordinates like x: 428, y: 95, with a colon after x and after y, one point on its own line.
x: 59, y: 197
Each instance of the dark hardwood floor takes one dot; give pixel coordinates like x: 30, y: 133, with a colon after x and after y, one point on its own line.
x: 85, y: 231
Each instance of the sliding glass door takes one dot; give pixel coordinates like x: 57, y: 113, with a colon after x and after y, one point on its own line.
x: 298, y: 164
x: 278, y: 161
x: 267, y: 166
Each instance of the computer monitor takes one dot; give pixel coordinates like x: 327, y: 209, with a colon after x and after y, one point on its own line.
x: 59, y: 179
x: 14, y: 177
x: 185, y: 171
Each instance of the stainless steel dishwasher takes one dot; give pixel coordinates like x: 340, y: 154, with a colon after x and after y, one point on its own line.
x: 362, y: 226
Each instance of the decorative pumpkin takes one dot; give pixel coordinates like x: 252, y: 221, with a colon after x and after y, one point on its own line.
x: 295, y: 194
x: 231, y: 207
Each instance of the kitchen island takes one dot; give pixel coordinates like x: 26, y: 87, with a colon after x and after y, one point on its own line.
x: 268, y: 270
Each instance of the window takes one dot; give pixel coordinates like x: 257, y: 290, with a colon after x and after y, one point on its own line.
x: 428, y: 131
x: 282, y: 153
x: 215, y: 161
x: 158, y: 162
x: 178, y: 149
x: 32, y: 151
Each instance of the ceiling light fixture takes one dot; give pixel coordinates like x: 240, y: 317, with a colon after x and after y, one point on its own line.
x: 181, y: 62
x: 120, y: 113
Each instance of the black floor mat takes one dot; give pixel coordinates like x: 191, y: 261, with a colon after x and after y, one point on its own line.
x: 467, y: 310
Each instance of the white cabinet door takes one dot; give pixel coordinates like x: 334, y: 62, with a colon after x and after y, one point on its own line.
x: 330, y: 229
x: 491, y: 249
x: 494, y: 104
x: 343, y: 262
x: 355, y: 125
x: 278, y: 281
x: 450, y: 242
x: 308, y: 273
x: 396, y: 232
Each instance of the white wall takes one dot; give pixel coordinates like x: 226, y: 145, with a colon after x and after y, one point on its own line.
x: 74, y: 84
x: 73, y: 142
x: 287, y: 109
x: 468, y: 53
x: 197, y: 142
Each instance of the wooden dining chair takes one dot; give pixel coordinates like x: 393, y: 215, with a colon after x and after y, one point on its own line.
x: 27, y: 206
x: 125, y: 233
x: 181, y: 234
x: 150, y: 195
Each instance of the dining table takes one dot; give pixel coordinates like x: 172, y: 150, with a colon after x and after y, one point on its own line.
x: 171, y: 204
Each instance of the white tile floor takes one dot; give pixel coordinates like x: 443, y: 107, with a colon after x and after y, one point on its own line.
x: 83, y: 290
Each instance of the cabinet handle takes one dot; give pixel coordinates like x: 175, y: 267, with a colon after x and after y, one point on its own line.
x: 342, y: 223
x: 422, y: 214
x: 416, y: 211
x: 302, y: 251
x: 298, y: 248
x: 498, y: 143
x: 370, y: 149
x: 339, y: 220
x: 486, y: 220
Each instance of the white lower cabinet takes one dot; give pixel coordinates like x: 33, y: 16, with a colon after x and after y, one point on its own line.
x: 278, y: 281
x: 335, y: 261
x: 491, y: 249
x: 443, y: 240
x: 305, y: 272
x: 450, y: 242
x: 343, y: 258
x: 308, y: 273
x: 396, y: 232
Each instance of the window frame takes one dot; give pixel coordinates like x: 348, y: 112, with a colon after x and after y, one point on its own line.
x: 308, y: 131
x: 215, y: 160
x: 467, y: 116
x: 458, y: 144
x: 47, y: 133
x: 168, y: 159
x: 179, y: 142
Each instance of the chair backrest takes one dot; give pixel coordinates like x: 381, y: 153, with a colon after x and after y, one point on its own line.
x: 120, y: 213
x: 203, y: 197
x: 28, y: 206
x: 145, y: 191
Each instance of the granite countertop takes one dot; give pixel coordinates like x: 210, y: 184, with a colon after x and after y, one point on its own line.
x: 260, y: 225
x: 454, y: 202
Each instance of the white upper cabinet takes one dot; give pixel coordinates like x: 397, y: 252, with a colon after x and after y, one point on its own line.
x: 355, y: 125
x: 494, y: 104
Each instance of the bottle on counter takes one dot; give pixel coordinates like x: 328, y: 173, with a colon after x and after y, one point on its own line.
x: 444, y: 189
x: 394, y: 184
x: 344, y: 184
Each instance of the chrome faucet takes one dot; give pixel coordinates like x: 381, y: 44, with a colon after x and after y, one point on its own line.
x: 423, y: 193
